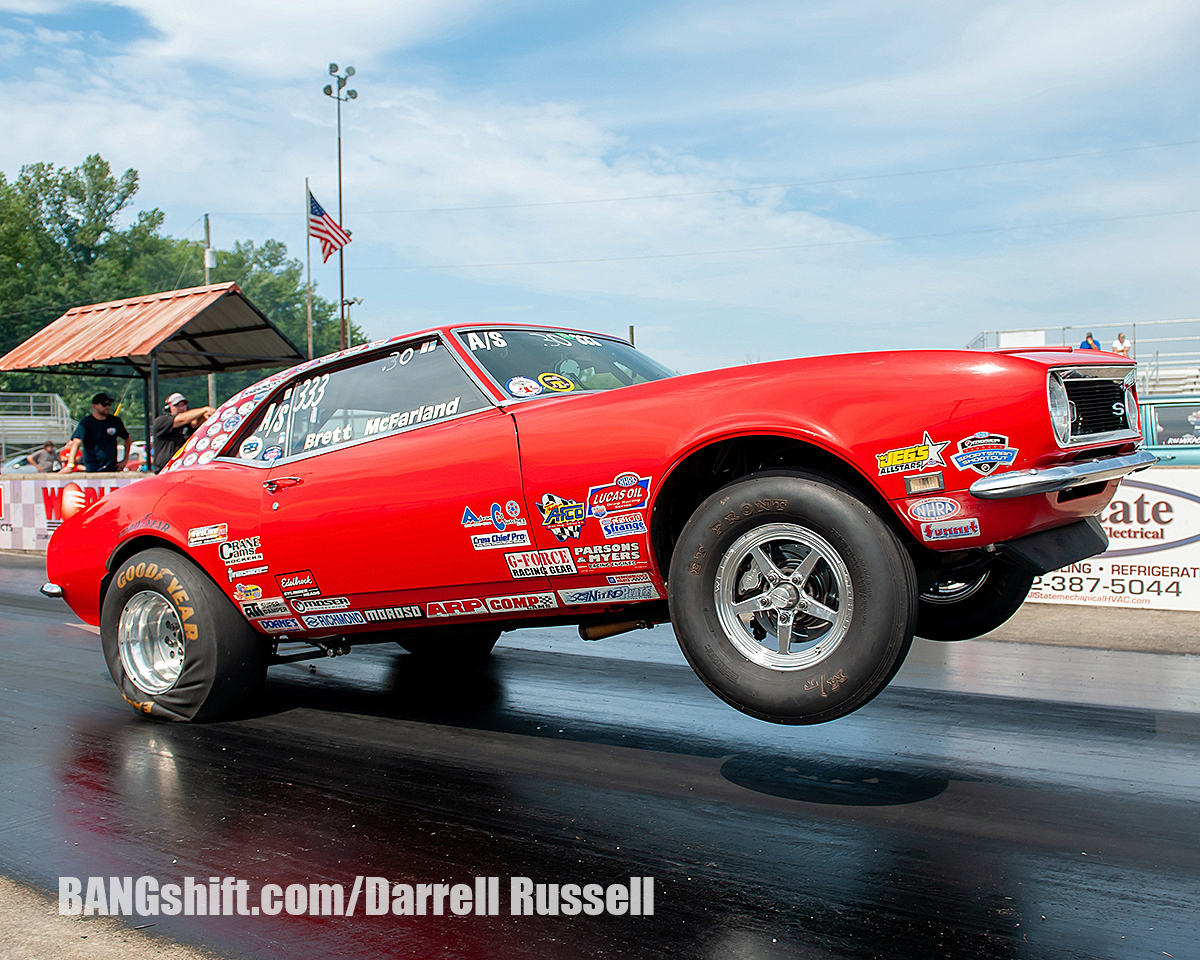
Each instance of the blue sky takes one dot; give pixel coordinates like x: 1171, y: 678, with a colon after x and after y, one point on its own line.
x: 553, y: 116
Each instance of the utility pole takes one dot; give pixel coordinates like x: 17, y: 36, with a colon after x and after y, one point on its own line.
x: 308, y: 262
x: 631, y: 343
x: 210, y: 262
x: 350, y: 95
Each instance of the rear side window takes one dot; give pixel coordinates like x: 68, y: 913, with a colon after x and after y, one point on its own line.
x: 1175, y: 425
x: 385, y: 393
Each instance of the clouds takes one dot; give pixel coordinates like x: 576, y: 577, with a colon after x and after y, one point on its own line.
x: 219, y: 107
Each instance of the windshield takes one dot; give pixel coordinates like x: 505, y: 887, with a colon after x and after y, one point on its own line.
x: 526, y: 363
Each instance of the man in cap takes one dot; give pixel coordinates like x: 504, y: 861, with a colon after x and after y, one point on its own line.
x: 171, y: 429
x: 98, y: 433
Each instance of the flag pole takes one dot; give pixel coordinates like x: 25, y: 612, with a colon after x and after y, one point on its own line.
x: 308, y: 262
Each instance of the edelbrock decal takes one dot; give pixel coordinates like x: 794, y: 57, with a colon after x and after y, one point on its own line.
x: 299, y: 583
x: 950, y: 530
x: 610, y: 594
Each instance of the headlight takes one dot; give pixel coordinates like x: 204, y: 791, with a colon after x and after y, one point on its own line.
x: 1060, y: 408
x: 1132, y: 416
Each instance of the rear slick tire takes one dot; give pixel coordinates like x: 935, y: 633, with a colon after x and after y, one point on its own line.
x: 801, y: 556
x: 953, y: 610
x: 176, y: 646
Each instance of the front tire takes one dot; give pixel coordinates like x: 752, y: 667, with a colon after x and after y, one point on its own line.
x: 176, y: 646
x: 954, y: 609
x: 791, y: 599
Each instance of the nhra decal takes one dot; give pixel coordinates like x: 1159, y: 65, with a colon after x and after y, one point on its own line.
x: 321, y: 603
x: 605, y: 556
x: 404, y: 419
x: 347, y: 619
x: 628, y: 491
x: 247, y: 591
x: 564, y: 518
x: 950, y: 530
x: 540, y: 563
x: 201, y: 536
x: 983, y: 452
x: 270, y: 607
x: 281, y: 625
x: 624, y: 525
x: 613, y: 594
x: 935, y: 508
x: 247, y: 572
x: 919, y: 456
x: 629, y: 578
x: 495, y: 541
x: 524, y: 601
x: 301, y: 583
x: 394, y: 613
x: 234, y: 552
x: 455, y: 608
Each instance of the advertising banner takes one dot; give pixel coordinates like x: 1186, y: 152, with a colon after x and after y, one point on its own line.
x: 32, y: 505
x: 1153, y: 559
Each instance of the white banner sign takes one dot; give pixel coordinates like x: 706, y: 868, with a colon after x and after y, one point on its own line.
x: 32, y: 505
x: 1153, y: 557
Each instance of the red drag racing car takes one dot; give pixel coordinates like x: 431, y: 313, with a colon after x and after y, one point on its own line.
x: 796, y: 521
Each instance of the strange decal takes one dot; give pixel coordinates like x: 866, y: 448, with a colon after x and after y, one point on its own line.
x: 983, y: 452
x: 919, y: 456
x: 622, y: 525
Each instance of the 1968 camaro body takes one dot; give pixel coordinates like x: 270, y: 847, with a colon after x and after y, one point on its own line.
x: 796, y: 521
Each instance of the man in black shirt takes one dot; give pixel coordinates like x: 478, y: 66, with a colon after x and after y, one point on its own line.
x: 171, y: 429
x: 98, y: 433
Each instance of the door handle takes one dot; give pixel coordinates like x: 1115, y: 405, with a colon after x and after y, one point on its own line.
x: 272, y: 485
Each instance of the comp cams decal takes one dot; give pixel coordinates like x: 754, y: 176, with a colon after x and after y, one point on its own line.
x: 267, y: 607
x: 919, y: 456
x: 522, y: 601
x: 627, y: 492
x: 213, y: 533
x: 321, y: 603
x: 935, y: 508
x: 606, y: 556
x: 563, y: 518
x: 950, y: 530
x: 347, y: 618
x: 540, y: 563
x: 300, y: 583
x: 610, y: 594
x: 983, y: 452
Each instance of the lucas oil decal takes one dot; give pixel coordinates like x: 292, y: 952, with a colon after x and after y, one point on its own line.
x: 950, y: 530
x: 918, y: 457
x: 628, y: 491
x: 564, y: 518
x: 983, y: 452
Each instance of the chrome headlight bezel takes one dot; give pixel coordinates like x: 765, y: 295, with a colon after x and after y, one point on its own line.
x: 1060, y: 408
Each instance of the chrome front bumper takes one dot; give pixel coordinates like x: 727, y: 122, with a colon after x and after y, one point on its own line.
x: 1024, y: 483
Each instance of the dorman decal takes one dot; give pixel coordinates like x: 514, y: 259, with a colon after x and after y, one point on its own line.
x: 919, y: 456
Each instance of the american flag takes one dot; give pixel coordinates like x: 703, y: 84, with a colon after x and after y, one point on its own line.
x: 322, y: 226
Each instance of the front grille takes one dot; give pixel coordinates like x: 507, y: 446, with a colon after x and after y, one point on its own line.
x: 1096, y: 403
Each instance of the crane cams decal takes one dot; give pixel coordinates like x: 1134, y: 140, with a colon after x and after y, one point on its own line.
x: 213, y: 533
x: 983, y: 452
x: 234, y: 552
x: 920, y: 456
x: 627, y: 492
x: 563, y: 518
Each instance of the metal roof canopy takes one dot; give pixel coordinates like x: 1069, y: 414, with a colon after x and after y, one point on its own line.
x: 180, y: 333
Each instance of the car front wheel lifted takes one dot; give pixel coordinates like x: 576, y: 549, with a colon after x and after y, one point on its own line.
x: 792, y: 600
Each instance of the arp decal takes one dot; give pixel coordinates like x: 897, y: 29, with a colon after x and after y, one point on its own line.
x: 299, y: 583
x: 379, y: 614
x: 611, y: 594
x: 268, y: 607
x: 348, y: 618
x: 627, y: 492
x: 320, y: 603
x: 281, y: 625
x: 234, y: 552
x: 214, y: 533
x: 983, y: 452
x: 622, y: 525
x: 247, y: 591
x: 455, y: 608
x: 540, y: 563
x: 935, y: 508
x: 497, y: 541
x: 521, y: 602
x: 919, y: 456
x: 962, y: 529
x: 563, y: 518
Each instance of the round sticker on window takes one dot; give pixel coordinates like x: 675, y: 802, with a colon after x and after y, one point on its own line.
x: 272, y: 453
x: 219, y: 442
x: 189, y: 459
x: 246, y: 407
x: 556, y: 382
x: 231, y: 423
x: 206, y: 456
x: 251, y: 447
x: 203, y: 442
x: 523, y: 387
x: 214, y: 429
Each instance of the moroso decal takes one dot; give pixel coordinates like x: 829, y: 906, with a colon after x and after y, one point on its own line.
x: 935, y: 508
x: 321, y: 603
x: 950, y: 530
x: 300, y: 583
x: 628, y: 491
x: 564, y: 518
x: 612, y: 594
x: 455, y: 608
x: 378, y: 614
x: 268, y: 607
x: 214, y: 533
x: 540, y: 563
x: 919, y: 456
x: 983, y: 452
x: 523, y: 601
x: 281, y: 625
x: 347, y: 618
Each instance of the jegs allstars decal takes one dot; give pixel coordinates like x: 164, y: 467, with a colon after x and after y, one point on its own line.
x: 915, y: 458
x: 983, y: 452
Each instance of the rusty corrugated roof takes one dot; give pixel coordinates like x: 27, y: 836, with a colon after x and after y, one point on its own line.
x: 193, y: 331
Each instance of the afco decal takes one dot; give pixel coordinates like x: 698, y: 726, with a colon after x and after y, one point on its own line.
x: 563, y: 518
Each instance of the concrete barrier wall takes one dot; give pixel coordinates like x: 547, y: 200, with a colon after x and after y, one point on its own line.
x: 32, y: 505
